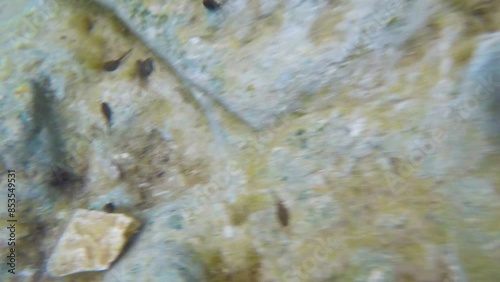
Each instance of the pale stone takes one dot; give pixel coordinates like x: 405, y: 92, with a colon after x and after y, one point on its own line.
x: 91, y: 242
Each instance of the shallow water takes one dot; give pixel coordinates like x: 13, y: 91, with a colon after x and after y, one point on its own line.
x: 384, y: 155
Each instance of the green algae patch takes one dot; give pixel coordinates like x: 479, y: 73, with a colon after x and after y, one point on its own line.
x: 462, y: 51
x: 89, y: 47
x: 480, y: 15
x: 156, y: 112
x: 246, y: 205
x: 214, y: 262
x: 323, y: 28
x: 242, y: 260
x: 479, y: 265
x: 230, y: 260
x: 93, y: 34
x: 195, y: 171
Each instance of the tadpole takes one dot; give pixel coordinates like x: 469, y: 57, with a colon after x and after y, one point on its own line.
x: 60, y: 176
x: 114, y: 64
x: 106, y: 111
x: 281, y: 211
x: 211, y: 5
x: 145, y: 68
x: 109, y: 208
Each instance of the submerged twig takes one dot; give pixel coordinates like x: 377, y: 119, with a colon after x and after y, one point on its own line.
x: 45, y: 116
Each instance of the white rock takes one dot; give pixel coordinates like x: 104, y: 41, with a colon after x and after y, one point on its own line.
x: 91, y: 242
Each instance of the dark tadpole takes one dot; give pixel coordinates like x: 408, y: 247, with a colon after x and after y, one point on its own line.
x: 145, y: 68
x: 109, y: 208
x: 211, y: 5
x: 114, y: 64
x: 106, y: 111
x: 281, y: 211
x: 60, y: 176
x: 88, y: 23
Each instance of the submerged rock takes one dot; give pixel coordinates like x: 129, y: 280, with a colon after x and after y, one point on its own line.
x: 385, y: 158
x: 215, y: 53
x: 91, y: 242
